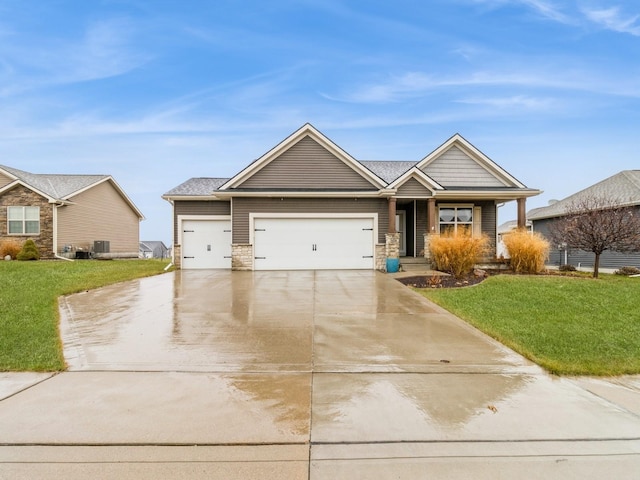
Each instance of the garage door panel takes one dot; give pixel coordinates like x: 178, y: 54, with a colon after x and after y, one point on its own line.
x: 313, y: 243
x: 206, y: 244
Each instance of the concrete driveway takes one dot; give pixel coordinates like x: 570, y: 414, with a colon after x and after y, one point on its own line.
x: 296, y: 375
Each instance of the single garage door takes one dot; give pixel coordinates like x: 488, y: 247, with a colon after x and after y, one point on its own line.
x: 206, y: 244
x: 313, y: 243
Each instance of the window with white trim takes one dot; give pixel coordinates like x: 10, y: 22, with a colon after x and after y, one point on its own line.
x: 454, y: 218
x: 23, y: 220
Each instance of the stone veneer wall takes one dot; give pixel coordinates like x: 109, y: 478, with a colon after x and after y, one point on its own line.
x: 381, y: 258
x: 23, y: 197
x: 177, y: 256
x: 392, y: 245
x: 241, y: 256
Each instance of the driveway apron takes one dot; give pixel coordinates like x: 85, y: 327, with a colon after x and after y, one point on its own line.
x: 308, y: 374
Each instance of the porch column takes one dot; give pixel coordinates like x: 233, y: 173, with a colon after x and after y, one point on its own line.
x: 522, y: 212
x: 431, y: 216
x: 432, y: 222
x: 392, y: 215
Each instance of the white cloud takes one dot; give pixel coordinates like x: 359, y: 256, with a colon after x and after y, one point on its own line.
x: 520, y: 102
x: 613, y: 19
x: 549, y: 10
x: 102, y: 51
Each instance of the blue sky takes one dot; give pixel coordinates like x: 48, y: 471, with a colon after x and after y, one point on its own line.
x: 154, y: 92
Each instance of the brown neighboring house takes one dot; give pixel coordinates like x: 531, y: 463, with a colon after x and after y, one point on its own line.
x: 308, y: 204
x: 71, y: 216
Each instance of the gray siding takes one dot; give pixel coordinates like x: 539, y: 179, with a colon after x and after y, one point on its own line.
x: 454, y: 168
x: 580, y: 258
x: 242, y: 207
x: 307, y: 165
x: 413, y: 188
x: 489, y: 219
x: 197, y: 207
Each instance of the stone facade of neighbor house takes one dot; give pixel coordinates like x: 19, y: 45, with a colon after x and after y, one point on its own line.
x: 308, y: 204
x: 70, y: 216
x: 20, y: 197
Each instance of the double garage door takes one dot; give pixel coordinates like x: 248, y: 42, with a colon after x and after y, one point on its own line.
x: 313, y: 243
x: 284, y: 243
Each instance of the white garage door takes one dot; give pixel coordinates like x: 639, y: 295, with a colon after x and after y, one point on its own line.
x: 206, y: 244
x: 313, y: 243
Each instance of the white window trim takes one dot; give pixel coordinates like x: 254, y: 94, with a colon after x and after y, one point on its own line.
x: 476, y: 218
x: 24, y: 221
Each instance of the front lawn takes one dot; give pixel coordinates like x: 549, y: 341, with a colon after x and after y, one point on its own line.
x: 29, y: 336
x: 570, y: 326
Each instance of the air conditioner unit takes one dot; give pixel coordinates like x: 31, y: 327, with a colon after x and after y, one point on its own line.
x: 101, y: 246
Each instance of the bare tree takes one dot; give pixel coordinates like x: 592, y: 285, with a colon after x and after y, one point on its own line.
x: 595, y: 224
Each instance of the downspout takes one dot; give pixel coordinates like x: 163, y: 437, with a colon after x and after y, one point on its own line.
x: 55, y: 234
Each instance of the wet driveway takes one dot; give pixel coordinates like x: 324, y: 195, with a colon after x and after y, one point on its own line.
x: 304, y: 375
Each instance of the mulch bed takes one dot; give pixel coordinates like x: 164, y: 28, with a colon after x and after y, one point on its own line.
x: 441, y: 281
x: 474, y: 278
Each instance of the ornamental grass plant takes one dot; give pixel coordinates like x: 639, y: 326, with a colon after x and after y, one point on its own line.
x: 9, y: 247
x: 458, y: 252
x: 529, y: 251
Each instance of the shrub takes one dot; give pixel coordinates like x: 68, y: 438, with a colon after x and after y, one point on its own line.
x: 626, y: 271
x: 9, y: 246
x: 29, y: 251
x: 457, y: 254
x: 567, y: 268
x: 528, y: 250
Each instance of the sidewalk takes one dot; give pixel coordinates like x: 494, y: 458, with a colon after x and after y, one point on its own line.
x: 301, y: 375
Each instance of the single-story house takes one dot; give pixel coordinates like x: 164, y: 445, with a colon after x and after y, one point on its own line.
x: 68, y: 216
x: 623, y: 187
x: 153, y: 249
x: 308, y: 204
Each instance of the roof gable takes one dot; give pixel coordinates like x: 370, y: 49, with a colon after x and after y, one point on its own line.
x: 62, y: 188
x: 415, y: 183
x: 457, y: 163
x: 306, y: 160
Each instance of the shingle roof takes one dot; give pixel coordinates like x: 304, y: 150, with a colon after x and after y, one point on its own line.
x: 388, y: 170
x: 196, y: 187
x: 623, y: 187
x: 59, y: 187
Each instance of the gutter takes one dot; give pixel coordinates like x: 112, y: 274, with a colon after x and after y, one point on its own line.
x: 55, y: 233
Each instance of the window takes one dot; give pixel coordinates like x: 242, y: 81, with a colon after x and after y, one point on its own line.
x: 455, y: 218
x: 23, y: 220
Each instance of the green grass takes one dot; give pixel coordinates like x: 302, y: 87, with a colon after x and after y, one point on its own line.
x: 568, y: 325
x: 29, y: 335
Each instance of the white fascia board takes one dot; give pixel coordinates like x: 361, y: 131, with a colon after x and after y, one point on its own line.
x: 458, y: 140
x: 15, y: 183
x: 204, y: 198
x: 424, y: 179
x: 8, y: 174
x: 306, y: 130
x: 498, y: 195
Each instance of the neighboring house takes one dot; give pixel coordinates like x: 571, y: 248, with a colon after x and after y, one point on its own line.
x: 68, y: 215
x: 503, y: 229
x: 623, y: 187
x: 145, y: 251
x: 308, y: 204
x: 153, y: 249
